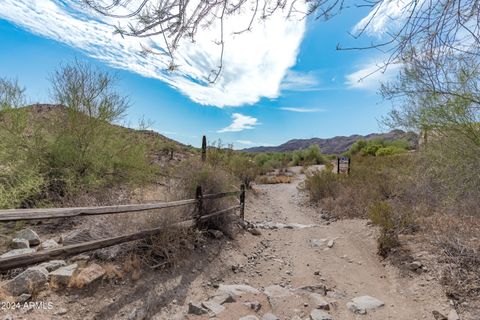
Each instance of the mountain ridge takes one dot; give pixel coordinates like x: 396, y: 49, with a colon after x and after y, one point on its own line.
x: 337, y: 144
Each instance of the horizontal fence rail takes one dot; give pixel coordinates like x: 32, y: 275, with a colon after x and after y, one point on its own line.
x: 24, y: 260
x: 55, y: 213
x: 74, y: 249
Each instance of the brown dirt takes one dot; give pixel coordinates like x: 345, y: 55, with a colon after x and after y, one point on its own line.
x: 283, y: 256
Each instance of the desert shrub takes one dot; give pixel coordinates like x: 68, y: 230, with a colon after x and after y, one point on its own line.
x: 388, y: 151
x: 273, y: 179
x: 53, y: 155
x: 322, y: 184
x: 309, y: 156
x: 244, y: 168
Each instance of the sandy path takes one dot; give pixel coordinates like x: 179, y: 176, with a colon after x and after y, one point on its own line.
x: 351, y: 268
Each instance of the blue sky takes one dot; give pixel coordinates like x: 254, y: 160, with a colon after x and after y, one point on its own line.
x: 283, y: 81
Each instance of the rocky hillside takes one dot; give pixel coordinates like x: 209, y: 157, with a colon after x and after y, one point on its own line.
x: 337, y: 145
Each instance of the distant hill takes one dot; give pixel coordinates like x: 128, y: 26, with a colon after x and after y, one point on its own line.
x: 337, y: 145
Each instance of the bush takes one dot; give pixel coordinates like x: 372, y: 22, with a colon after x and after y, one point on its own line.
x: 378, y: 147
x: 322, y: 184
x: 388, y: 151
x: 309, y: 156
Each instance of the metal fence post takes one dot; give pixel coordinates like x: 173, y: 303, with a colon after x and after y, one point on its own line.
x: 242, y: 202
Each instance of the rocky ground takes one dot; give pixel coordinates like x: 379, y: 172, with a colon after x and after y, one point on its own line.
x: 294, y: 262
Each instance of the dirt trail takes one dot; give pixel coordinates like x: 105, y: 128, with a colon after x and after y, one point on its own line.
x: 295, y: 256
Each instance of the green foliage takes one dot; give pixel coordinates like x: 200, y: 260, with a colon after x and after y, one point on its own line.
x: 322, y: 184
x: 309, y: 156
x: 378, y: 147
x: 73, y: 148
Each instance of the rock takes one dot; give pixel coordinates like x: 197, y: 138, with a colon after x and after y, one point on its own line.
x: 367, y: 303
x: 223, y: 297
x: 270, y: 316
x: 330, y: 243
x: 415, y: 266
x: 196, y: 309
x: 317, y: 314
x: 355, y: 309
x: 53, y: 265
x: 250, y: 317
x: 61, y: 312
x: 453, y: 315
x: 80, y: 257
x: 17, y: 252
x: 236, y: 289
x: 216, y: 308
x: 108, y: 254
x: 138, y: 314
x: 315, y: 288
x: 254, y: 305
x: 438, y: 316
x: 255, y: 231
x: 217, y: 234
x: 30, y: 280
x: 18, y: 243
x: 76, y: 236
x: 8, y: 317
x: 29, y: 235
x: 276, y: 291
x: 62, y: 276
x: 319, y: 302
x: 49, y: 244
x: 24, y: 297
x: 89, y: 274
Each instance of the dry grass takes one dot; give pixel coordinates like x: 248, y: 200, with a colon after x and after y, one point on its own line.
x: 5, y: 296
x: 132, y: 265
x: 112, y: 272
x: 273, y: 179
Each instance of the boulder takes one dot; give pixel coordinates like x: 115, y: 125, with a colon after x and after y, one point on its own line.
x: 17, y: 252
x: 196, y: 308
x: 53, y: 265
x: 29, y: 235
x: 317, y: 314
x: 453, y: 315
x: 254, y: 305
x: 18, y: 243
x: 236, y: 289
x: 330, y: 243
x: 48, y: 244
x: 76, y: 236
x: 223, y: 297
x: 89, y: 274
x: 62, y: 276
x: 30, y: 280
x: 108, y: 254
x: 355, y: 308
x: 249, y: 317
x: 367, y: 302
x: 214, y: 307
x: 217, y: 234
x: 319, y: 302
x: 270, y: 316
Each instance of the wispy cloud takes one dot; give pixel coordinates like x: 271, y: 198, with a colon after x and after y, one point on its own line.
x: 247, y: 76
x: 251, y: 143
x: 300, y: 81
x: 240, y: 122
x: 371, y: 75
x: 386, y: 16
x: 302, y: 110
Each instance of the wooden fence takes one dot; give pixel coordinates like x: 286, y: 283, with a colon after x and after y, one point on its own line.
x: 65, y: 251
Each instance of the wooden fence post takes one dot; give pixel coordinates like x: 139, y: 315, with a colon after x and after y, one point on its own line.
x: 338, y: 165
x: 349, y: 161
x: 199, y: 197
x: 204, y: 148
x: 242, y: 202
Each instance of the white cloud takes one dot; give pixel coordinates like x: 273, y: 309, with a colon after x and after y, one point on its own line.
x: 300, y: 81
x: 302, y: 110
x: 246, y: 142
x: 240, y: 122
x: 386, y: 16
x: 371, y: 75
x: 248, y: 75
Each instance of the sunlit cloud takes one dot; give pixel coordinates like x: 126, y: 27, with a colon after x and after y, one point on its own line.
x: 300, y: 81
x: 240, y: 122
x: 371, y: 75
x: 247, y: 75
x: 302, y: 110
